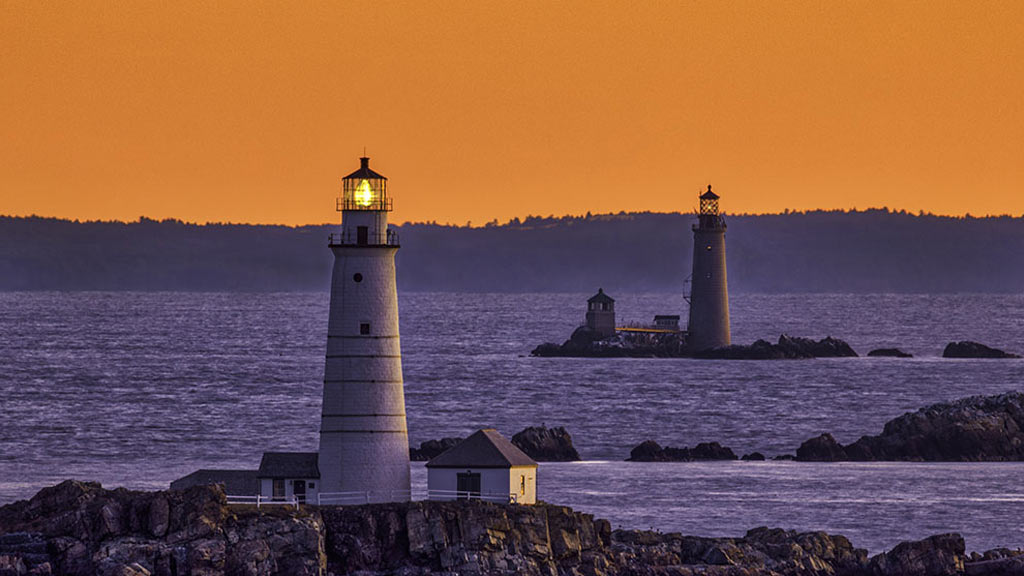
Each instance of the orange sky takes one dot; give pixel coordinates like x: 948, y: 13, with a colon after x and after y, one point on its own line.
x: 251, y: 112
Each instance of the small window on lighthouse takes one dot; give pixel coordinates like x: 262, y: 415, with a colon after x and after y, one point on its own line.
x: 358, y: 277
x: 708, y: 247
x: 364, y: 328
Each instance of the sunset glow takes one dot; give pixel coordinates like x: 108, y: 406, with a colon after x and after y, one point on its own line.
x: 251, y: 112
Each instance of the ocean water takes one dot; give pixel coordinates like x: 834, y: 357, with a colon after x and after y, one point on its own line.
x: 136, y: 389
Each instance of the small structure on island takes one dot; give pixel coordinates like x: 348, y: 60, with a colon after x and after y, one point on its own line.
x: 709, y: 294
x: 601, y: 314
x: 485, y: 466
x: 289, y: 476
x: 667, y: 322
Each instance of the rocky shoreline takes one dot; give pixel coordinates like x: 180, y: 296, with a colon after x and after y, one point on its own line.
x: 79, y: 529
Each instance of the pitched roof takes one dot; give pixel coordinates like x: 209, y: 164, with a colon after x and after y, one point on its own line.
x: 364, y: 171
x: 483, y: 449
x: 601, y: 297
x: 709, y: 195
x: 236, y: 482
x: 289, y: 465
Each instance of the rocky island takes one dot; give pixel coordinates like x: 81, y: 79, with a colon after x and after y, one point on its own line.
x: 81, y: 529
x: 585, y: 343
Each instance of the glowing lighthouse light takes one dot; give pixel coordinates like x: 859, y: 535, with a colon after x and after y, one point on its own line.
x: 364, y: 193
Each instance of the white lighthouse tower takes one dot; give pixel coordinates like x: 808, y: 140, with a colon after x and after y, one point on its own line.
x: 709, y: 291
x: 364, y: 445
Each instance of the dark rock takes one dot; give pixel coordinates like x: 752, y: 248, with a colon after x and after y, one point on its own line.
x: 940, y: 555
x: 539, y: 442
x: 784, y: 457
x: 432, y: 448
x: 82, y: 529
x: 823, y: 448
x: 651, y: 451
x: 974, y: 429
x: 827, y: 347
x: 889, y: 353
x: 753, y: 456
x: 998, y: 562
x: 546, y: 444
x: 759, y: 350
x: 788, y: 348
x: 585, y: 343
x: 967, y: 349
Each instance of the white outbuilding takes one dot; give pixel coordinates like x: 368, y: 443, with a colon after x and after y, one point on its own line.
x: 485, y: 466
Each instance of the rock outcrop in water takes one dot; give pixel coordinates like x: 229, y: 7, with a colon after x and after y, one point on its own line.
x: 974, y: 429
x: 584, y: 343
x: 541, y: 443
x: 651, y: 451
x: 968, y: 349
x: 432, y: 448
x: 545, y: 444
x: 787, y: 348
x: 80, y: 529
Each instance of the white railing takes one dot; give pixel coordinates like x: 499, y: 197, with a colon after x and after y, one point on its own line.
x: 258, y: 500
x: 362, y: 497
x: 501, y: 497
x: 372, y: 497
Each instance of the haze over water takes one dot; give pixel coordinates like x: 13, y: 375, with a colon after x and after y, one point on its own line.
x: 136, y: 389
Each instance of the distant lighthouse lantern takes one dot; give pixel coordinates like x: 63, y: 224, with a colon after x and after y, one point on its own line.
x: 364, y: 189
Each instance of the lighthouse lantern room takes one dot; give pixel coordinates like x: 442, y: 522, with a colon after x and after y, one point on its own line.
x: 364, y: 204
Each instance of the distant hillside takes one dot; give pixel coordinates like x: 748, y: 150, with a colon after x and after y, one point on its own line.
x: 871, y: 251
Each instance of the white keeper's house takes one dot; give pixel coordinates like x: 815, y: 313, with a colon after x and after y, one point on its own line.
x: 485, y: 466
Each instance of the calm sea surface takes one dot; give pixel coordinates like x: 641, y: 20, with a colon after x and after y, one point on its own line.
x: 136, y: 389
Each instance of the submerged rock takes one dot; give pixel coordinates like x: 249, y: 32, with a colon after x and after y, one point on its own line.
x: 974, y: 429
x: 753, y: 456
x: 889, y: 353
x: 651, y: 451
x: 968, y: 349
x: 545, y: 444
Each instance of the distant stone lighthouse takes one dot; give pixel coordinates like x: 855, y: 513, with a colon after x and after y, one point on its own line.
x: 709, y: 293
x: 364, y: 445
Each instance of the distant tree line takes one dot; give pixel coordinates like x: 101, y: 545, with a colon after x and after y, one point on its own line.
x: 818, y: 251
